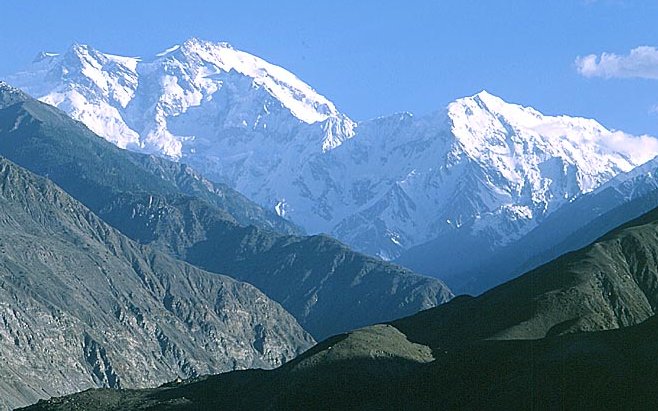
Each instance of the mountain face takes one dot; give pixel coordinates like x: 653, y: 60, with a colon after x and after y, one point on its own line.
x: 617, y: 202
x: 138, y: 103
x: 66, y: 146
x: 83, y: 306
x: 537, y: 165
x: 326, y: 286
x: 574, y: 225
x: 578, y: 332
x: 482, y: 172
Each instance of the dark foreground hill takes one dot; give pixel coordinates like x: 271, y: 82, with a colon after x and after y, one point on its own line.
x: 326, y: 286
x: 576, y: 333
x: 599, y: 370
x: 83, y: 306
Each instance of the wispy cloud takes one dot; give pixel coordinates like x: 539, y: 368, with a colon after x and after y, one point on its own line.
x: 641, y: 62
x: 641, y: 147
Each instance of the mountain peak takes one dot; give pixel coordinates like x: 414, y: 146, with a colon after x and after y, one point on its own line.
x: 220, y: 57
x: 510, y: 137
x: 10, y: 95
x: 194, y: 42
x: 78, y: 48
x: 44, y: 55
x: 79, y: 55
x: 485, y: 107
x: 488, y: 99
x: 86, y: 54
x: 484, y: 94
x: 100, y: 87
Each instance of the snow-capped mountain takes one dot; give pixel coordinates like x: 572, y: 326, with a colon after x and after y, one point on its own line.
x: 482, y: 167
x: 573, y: 226
x: 137, y: 103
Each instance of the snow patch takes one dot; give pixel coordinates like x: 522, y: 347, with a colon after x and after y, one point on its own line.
x: 168, y: 51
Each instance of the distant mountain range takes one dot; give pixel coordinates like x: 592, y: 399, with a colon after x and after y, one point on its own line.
x: 479, y: 175
x: 541, y: 341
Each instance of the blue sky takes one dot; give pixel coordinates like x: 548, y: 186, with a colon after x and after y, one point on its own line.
x: 379, y: 57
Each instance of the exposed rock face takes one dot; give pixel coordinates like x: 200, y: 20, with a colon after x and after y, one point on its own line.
x: 325, y: 285
x: 83, y: 306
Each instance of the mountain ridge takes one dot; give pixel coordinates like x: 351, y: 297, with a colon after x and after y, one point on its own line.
x: 164, y: 204
x: 576, y: 332
x: 393, y: 187
x: 83, y: 306
x: 584, y: 220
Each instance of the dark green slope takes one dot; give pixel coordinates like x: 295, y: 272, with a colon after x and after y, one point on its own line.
x: 576, y: 333
x: 605, y: 370
x: 609, y: 284
x: 83, y: 306
x: 327, y: 287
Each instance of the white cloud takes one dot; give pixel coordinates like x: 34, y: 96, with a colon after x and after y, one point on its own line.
x: 641, y: 148
x: 641, y: 62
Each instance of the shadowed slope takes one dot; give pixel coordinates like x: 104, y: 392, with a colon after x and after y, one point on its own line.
x: 549, y: 339
x: 83, y: 306
x: 326, y: 286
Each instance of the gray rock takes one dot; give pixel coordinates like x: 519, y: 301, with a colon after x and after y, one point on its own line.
x: 83, y: 306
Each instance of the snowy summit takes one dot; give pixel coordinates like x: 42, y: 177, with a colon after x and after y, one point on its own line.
x: 481, y: 167
x: 130, y: 101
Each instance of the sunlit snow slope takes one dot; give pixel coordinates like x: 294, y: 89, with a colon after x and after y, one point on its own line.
x: 481, y: 168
